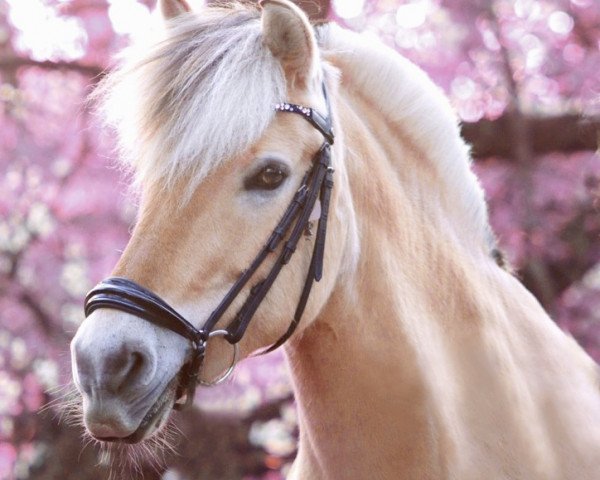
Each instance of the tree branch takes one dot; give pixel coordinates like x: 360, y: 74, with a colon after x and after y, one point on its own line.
x: 12, y: 63
x: 43, y: 319
x: 566, y: 133
x: 315, y: 9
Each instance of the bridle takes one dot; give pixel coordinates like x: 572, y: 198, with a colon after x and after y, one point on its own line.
x: 125, y: 295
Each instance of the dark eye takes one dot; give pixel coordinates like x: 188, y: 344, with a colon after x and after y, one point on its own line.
x: 268, y: 177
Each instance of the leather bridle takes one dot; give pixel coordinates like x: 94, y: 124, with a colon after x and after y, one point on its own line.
x: 127, y: 296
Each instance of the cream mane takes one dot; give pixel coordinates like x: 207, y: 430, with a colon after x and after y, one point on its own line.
x: 194, y: 99
x: 409, y: 100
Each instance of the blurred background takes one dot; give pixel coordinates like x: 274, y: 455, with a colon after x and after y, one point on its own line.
x: 523, y: 75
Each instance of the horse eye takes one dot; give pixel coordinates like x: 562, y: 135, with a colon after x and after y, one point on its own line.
x: 269, y: 177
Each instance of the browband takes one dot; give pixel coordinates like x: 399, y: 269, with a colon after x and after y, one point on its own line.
x: 127, y: 296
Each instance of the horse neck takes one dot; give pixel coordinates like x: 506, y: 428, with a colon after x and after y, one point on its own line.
x: 377, y: 374
x: 362, y: 381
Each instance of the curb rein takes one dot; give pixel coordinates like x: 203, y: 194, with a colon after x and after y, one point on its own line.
x: 123, y: 294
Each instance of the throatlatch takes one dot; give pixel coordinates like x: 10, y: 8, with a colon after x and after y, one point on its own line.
x: 125, y: 295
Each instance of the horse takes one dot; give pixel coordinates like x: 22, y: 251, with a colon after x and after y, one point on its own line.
x: 418, y: 355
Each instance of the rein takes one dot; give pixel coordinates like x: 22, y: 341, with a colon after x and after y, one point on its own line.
x: 125, y: 295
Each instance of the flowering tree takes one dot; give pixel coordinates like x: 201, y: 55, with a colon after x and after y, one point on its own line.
x: 522, y: 75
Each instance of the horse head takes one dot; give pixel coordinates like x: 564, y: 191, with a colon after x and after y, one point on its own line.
x: 202, y: 119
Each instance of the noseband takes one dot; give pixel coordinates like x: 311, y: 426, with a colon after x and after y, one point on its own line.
x: 125, y: 295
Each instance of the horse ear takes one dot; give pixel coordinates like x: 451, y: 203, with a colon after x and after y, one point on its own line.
x: 290, y: 37
x: 173, y: 8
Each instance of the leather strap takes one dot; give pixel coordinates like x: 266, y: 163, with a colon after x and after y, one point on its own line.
x: 125, y: 295
x: 315, y: 271
x: 260, y: 290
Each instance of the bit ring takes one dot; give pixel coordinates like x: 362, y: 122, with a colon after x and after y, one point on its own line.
x: 225, y: 375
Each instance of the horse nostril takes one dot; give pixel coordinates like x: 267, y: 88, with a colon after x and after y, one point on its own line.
x: 136, y: 364
x: 125, y: 369
x: 112, y: 361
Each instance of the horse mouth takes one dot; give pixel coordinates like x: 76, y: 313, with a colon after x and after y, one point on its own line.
x: 155, y: 418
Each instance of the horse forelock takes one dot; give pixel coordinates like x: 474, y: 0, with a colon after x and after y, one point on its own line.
x: 188, y: 102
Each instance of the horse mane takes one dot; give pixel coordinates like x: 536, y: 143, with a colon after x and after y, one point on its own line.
x: 203, y: 94
x: 418, y: 110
